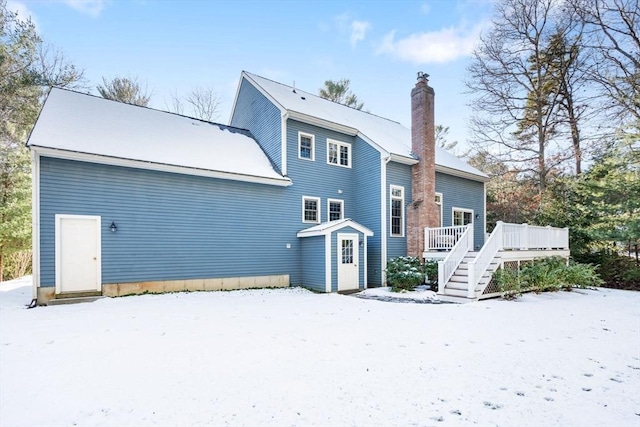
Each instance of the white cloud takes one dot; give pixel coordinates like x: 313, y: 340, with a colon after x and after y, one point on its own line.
x: 358, y: 31
x: 425, y: 8
x: 24, y: 14
x: 444, y: 45
x: 88, y: 7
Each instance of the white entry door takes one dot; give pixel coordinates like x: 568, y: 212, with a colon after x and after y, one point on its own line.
x: 78, y: 263
x: 348, y: 271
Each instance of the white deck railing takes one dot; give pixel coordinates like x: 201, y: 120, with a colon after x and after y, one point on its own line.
x: 481, y: 262
x: 442, y: 238
x: 450, y: 263
x: 531, y: 237
x: 515, y: 237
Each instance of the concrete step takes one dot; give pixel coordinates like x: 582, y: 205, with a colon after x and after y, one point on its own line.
x: 73, y: 300
x: 459, y: 293
x: 454, y: 299
x: 79, y: 294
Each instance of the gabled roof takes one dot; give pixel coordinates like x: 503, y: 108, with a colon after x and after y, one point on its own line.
x: 72, y: 122
x: 386, y: 135
x: 330, y: 226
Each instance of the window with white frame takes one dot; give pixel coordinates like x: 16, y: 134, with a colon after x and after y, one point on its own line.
x: 439, y: 204
x: 306, y: 146
x: 397, y: 211
x: 310, y: 209
x: 462, y: 216
x: 339, y: 153
x: 336, y: 209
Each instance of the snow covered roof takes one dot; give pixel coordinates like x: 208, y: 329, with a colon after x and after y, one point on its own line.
x: 86, y: 124
x: 390, y: 136
x: 331, y: 226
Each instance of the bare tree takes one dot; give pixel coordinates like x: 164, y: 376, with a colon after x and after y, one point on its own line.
x: 613, y: 33
x: 125, y: 89
x: 517, y: 95
x: 204, y: 104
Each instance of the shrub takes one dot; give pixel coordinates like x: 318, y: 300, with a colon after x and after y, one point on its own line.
x: 546, y: 274
x: 431, y: 273
x: 508, y: 282
x: 580, y: 275
x: 543, y: 274
x: 404, y: 273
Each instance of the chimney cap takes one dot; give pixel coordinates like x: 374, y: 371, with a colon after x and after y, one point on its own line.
x: 422, y: 75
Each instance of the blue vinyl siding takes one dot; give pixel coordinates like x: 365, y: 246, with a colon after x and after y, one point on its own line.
x: 400, y: 175
x: 462, y: 193
x: 368, y: 204
x: 170, y: 226
x: 313, y: 260
x: 358, y: 186
x: 255, y: 112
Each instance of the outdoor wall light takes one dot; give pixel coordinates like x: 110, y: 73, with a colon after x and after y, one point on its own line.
x: 339, y: 191
x: 477, y: 216
x: 113, y: 227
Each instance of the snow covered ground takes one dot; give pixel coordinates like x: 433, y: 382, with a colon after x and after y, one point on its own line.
x: 291, y: 357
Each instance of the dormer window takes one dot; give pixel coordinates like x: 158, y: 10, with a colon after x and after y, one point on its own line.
x: 338, y: 153
x: 306, y: 146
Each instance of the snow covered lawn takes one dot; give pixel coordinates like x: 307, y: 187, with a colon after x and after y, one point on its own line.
x: 291, y: 357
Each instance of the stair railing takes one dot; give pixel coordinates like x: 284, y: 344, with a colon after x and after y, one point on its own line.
x: 479, y: 265
x: 450, y: 263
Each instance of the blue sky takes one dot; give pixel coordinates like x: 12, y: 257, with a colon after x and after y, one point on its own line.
x: 175, y: 46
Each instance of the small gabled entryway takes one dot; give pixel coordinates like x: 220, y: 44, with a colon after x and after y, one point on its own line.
x: 334, y: 256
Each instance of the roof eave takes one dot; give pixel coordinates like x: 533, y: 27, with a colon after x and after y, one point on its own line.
x: 162, y: 167
x: 461, y: 174
x: 305, y: 118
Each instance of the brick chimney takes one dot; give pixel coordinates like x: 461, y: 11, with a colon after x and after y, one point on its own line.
x: 423, y: 211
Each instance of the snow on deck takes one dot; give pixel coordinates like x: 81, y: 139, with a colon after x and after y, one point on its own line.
x: 391, y: 136
x: 88, y: 124
x: 290, y: 357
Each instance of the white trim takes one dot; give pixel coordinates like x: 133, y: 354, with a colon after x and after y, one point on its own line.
x: 441, y: 204
x: 383, y: 218
x: 327, y: 263
x: 464, y: 210
x: 403, y: 213
x: 305, y: 118
x: 356, y: 243
x: 318, y: 209
x: 283, y: 147
x: 461, y: 174
x: 364, y: 258
x: 340, y: 144
x: 117, y: 161
x: 313, y: 145
x: 35, y: 222
x: 329, y: 227
x: 58, y: 236
x: 484, y: 227
x: 341, y: 202
x: 405, y: 160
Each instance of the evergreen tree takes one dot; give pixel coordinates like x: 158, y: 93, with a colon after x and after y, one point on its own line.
x: 27, y: 69
x: 338, y: 91
x: 124, y: 89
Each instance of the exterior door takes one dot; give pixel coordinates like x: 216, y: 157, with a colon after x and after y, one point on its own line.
x: 348, y: 271
x: 78, y: 262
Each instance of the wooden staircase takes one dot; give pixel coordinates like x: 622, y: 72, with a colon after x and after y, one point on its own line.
x: 457, y: 288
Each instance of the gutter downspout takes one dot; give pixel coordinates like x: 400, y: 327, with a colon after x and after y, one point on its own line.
x: 383, y: 222
x: 283, y: 153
